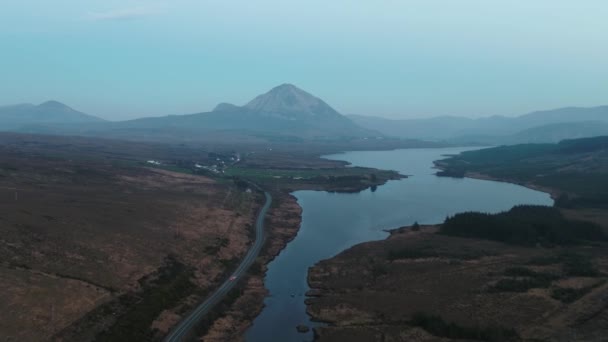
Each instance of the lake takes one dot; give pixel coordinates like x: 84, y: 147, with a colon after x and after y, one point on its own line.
x: 334, y: 222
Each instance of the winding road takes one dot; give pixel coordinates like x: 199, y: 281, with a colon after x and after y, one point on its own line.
x: 185, y: 326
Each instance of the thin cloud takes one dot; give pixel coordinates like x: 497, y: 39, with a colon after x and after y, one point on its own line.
x: 124, y: 14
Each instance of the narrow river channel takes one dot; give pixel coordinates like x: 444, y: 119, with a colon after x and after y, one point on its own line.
x: 332, y: 223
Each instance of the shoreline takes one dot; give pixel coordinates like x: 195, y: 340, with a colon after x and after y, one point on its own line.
x: 554, y: 193
x: 283, y: 225
x: 239, y: 316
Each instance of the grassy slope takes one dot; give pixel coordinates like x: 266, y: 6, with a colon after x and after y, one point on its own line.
x: 83, y: 226
x: 462, y: 287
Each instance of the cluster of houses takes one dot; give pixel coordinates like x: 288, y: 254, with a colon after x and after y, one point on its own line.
x: 221, y: 163
x: 217, y: 164
x: 212, y: 168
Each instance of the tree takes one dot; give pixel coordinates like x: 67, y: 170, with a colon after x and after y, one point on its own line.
x: 416, y: 226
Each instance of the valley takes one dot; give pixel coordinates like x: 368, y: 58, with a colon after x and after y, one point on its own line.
x: 146, y: 219
x: 97, y: 239
x: 303, y: 171
x: 141, y: 232
x: 332, y: 223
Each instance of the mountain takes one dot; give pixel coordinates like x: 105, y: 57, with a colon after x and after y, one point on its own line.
x: 52, y: 112
x: 541, y: 126
x: 289, y: 102
x: 287, y: 113
x: 283, y: 111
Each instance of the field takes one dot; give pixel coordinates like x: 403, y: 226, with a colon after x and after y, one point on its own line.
x: 351, y: 179
x: 421, y: 286
x: 85, y: 236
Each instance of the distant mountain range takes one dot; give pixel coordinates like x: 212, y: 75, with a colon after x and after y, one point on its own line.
x: 287, y: 113
x: 541, y: 126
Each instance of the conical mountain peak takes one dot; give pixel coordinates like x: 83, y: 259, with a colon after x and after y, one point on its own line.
x: 290, y: 100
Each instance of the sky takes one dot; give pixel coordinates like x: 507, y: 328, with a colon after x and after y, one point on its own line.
x: 122, y: 59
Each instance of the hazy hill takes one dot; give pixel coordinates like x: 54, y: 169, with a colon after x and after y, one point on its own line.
x: 541, y: 126
x: 551, y: 133
x: 438, y: 128
x: 51, y: 112
x: 560, y: 131
x: 569, y: 114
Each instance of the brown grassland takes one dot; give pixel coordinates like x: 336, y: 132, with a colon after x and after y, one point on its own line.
x: 86, y: 233
x: 367, y: 295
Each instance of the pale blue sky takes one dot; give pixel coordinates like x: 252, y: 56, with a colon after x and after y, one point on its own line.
x: 126, y: 58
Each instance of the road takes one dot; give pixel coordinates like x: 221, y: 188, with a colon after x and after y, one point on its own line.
x: 185, y: 326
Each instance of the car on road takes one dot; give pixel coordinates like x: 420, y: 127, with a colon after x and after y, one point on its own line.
x: 233, y: 278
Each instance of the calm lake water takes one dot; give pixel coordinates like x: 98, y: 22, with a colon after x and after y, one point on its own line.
x: 332, y: 223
